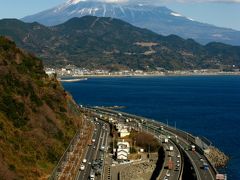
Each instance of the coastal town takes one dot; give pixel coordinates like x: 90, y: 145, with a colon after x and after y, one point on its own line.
x: 74, y: 71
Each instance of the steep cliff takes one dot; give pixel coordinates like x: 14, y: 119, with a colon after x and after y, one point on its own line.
x: 37, y: 117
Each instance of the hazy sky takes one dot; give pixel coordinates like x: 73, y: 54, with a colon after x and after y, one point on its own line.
x: 224, y: 13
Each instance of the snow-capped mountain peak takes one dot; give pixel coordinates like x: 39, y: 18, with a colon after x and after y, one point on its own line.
x: 72, y: 2
x: 156, y: 18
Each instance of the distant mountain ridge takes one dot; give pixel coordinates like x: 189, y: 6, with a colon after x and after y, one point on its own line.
x: 113, y: 44
x: 156, y: 18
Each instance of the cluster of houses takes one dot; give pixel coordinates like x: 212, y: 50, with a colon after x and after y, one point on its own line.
x: 123, y: 147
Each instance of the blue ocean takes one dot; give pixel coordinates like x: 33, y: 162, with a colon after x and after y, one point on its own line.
x: 206, y: 106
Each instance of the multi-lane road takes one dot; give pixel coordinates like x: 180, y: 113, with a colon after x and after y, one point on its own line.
x: 195, y: 157
x: 184, y: 141
x: 173, y: 159
x: 95, y: 152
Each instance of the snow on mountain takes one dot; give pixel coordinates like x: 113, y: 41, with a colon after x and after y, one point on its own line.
x: 156, y: 18
x: 72, y: 2
x: 176, y: 14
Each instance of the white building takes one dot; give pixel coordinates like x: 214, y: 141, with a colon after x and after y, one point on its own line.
x: 119, y: 126
x: 123, y: 150
x: 124, y: 132
x: 50, y: 71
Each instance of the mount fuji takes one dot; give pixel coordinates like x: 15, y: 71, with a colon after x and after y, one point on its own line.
x: 158, y: 19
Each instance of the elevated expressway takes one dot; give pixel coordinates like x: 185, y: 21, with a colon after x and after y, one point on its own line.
x: 179, y: 139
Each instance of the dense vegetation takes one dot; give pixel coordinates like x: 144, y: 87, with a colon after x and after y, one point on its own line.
x: 146, y: 141
x: 113, y: 44
x: 37, y: 117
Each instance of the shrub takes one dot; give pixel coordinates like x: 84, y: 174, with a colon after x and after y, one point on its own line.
x: 13, y: 110
x: 1, y: 126
x: 12, y: 167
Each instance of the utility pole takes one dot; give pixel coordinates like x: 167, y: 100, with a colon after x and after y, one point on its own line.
x: 148, y: 151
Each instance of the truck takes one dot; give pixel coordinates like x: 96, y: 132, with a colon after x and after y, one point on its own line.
x: 170, y: 164
x: 193, y: 147
x: 221, y: 176
x: 170, y: 148
x: 171, y: 153
x: 92, y: 175
x: 205, y: 166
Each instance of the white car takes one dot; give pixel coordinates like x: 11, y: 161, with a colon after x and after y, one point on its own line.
x: 82, y: 167
x: 178, y: 156
x: 84, y: 161
x: 168, y: 174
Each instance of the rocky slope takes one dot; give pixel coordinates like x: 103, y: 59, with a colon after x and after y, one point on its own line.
x: 37, y: 117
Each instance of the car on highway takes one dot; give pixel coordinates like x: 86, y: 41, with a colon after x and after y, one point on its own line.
x: 92, y: 175
x: 82, y: 167
x: 102, y: 148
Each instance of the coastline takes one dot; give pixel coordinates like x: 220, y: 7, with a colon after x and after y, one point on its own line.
x: 72, y: 79
x: 209, y: 91
x: 157, y: 75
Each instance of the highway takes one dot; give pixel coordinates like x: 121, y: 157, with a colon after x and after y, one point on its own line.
x: 195, y: 157
x: 184, y: 139
x: 94, y: 151
x: 173, y: 158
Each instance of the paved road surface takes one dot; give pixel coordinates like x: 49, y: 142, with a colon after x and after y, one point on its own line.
x: 94, y: 151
